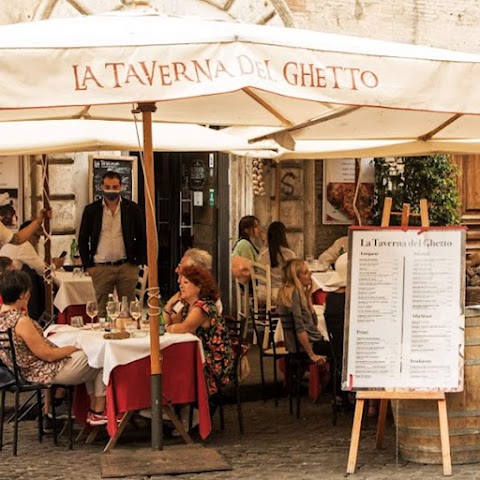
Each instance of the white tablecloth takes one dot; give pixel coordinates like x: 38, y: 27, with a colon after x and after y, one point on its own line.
x: 73, y: 289
x: 108, y: 354
x: 319, y: 279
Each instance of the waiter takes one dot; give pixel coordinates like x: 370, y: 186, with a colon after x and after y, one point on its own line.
x: 112, y: 242
x: 8, y: 236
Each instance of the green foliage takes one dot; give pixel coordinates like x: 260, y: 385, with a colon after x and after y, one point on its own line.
x: 408, y: 179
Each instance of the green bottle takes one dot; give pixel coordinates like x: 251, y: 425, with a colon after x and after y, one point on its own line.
x: 161, y: 323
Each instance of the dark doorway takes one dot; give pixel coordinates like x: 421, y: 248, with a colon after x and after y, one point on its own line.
x: 192, y: 207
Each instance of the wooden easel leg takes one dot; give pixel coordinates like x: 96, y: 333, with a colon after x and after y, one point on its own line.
x: 444, y: 437
x: 354, y: 441
x: 121, y: 427
x: 382, y: 417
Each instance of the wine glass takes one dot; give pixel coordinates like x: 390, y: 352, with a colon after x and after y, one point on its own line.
x: 136, y: 311
x: 113, y: 310
x: 92, y: 310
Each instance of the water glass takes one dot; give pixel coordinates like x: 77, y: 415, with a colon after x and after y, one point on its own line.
x: 136, y: 309
x: 113, y: 310
x: 92, y: 310
x: 76, y: 321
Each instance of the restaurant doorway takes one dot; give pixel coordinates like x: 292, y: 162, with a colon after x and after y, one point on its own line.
x: 192, y: 209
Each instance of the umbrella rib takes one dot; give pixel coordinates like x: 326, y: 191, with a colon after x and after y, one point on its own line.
x: 428, y: 136
x: 84, y: 112
x: 267, y: 107
x: 309, y: 123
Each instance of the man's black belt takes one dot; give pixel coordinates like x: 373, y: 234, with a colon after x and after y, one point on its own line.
x: 118, y: 262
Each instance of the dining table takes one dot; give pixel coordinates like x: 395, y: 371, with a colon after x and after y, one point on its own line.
x: 126, y: 374
x: 75, y: 289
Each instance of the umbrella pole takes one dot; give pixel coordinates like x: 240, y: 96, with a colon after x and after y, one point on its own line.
x: 155, y: 360
x: 48, y: 242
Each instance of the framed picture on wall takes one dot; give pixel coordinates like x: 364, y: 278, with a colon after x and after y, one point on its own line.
x: 11, y: 200
x: 339, y: 191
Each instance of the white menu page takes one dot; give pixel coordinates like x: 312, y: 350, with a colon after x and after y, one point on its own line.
x: 405, y: 310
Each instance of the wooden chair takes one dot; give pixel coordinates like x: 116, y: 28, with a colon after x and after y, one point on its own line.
x: 141, y: 286
x: 297, y: 362
x: 264, y: 323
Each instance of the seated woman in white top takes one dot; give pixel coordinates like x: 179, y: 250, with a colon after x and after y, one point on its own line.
x: 276, y: 254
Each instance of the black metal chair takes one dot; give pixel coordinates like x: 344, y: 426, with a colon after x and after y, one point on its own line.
x: 69, y: 422
x: 240, y: 348
x: 297, y: 361
x: 16, y: 385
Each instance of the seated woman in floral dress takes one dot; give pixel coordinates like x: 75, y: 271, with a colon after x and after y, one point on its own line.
x: 199, y: 292
x: 39, y: 360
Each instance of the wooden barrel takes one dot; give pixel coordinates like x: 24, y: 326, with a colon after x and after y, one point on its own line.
x: 417, y: 420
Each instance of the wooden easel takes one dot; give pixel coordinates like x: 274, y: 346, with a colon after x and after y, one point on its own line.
x: 384, y: 396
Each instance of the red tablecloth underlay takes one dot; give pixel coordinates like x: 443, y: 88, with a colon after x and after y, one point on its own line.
x: 183, y: 381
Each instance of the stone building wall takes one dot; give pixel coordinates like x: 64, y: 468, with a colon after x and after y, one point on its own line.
x: 440, y: 23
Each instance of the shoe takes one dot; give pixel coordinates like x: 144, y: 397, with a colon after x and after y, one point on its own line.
x: 47, y: 424
x: 96, y: 419
x: 61, y: 412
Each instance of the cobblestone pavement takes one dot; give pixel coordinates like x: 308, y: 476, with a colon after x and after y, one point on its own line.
x: 275, y: 446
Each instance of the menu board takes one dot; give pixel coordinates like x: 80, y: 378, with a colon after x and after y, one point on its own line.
x: 125, y: 166
x: 405, y: 320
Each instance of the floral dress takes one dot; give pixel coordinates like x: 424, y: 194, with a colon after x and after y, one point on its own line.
x: 216, y: 346
x: 32, y: 368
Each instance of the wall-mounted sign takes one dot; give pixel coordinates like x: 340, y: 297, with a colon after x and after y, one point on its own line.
x: 198, y: 175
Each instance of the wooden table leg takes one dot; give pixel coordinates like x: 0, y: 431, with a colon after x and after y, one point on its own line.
x: 92, y: 435
x: 121, y: 427
x: 178, y: 424
x: 354, y: 441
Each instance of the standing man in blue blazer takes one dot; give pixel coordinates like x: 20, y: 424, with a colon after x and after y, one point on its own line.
x: 112, y: 242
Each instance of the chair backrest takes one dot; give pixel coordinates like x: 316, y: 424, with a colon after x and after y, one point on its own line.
x: 289, y: 333
x: 141, y: 283
x: 240, y: 348
x: 243, y: 308
x: 46, y: 319
x: 262, y: 286
x: 8, y: 348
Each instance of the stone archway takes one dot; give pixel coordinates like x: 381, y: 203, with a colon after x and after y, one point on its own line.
x: 271, y: 12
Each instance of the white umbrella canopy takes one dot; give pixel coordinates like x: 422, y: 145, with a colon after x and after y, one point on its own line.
x: 263, y: 141
x: 221, y: 73
x: 56, y: 136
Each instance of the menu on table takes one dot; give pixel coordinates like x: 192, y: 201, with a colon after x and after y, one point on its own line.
x: 404, y: 324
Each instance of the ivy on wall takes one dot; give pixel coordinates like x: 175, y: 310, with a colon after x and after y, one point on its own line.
x: 408, y: 179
